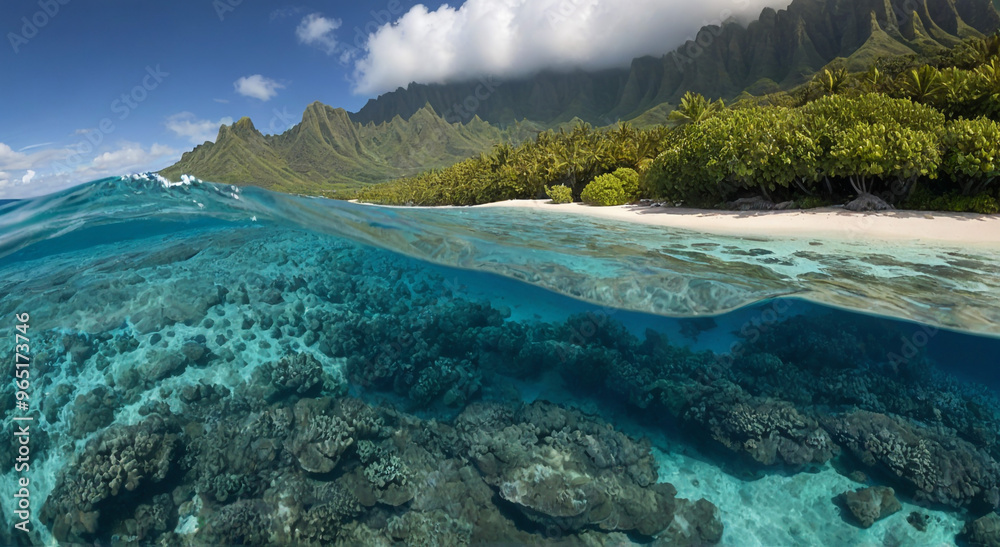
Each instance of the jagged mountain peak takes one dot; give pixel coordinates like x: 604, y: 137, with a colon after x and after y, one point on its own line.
x: 327, y: 150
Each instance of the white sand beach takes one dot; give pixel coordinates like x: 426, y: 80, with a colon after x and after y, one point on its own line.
x: 829, y: 222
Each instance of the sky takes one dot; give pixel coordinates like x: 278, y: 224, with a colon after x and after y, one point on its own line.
x: 107, y: 87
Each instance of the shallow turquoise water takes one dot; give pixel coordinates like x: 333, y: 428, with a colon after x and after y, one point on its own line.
x: 235, y: 334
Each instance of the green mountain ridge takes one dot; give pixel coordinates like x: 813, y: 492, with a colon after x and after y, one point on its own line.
x: 328, y: 152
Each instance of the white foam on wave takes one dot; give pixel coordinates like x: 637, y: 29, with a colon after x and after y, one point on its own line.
x: 186, y: 180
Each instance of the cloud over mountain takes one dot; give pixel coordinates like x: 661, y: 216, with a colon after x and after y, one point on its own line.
x: 511, y: 38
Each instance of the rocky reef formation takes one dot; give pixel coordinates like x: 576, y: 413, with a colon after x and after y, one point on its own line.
x: 110, y: 472
x: 871, y: 504
x: 326, y: 470
x: 984, y: 532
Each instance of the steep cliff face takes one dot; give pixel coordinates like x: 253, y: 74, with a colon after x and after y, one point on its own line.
x: 780, y: 49
x: 328, y: 151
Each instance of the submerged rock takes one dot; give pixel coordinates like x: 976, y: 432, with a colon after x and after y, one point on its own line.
x: 918, y: 520
x: 569, y: 472
x: 984, y: 531
x: 871, y: 504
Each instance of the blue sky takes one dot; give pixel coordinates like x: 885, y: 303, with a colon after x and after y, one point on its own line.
x: 174, y: 61
x: 104, y: 87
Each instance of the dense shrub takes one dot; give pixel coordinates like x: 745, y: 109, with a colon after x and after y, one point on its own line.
x: 922, y: 199
x: 813, y: 202
x: 972, y: 154
x: 553, y: 158
x: 560, y: 194
x: 630, y: 182
x: 863, y: 144
x: 605, y: 190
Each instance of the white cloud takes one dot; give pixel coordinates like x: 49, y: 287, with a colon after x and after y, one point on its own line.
x: 18, y: 161
x: 511, y: 38
x: 257, y: 87
x: 187, y: 125
x: 130, y: 156
x: 316, y: 30
x: 53, y: 169
x: 9, y: 159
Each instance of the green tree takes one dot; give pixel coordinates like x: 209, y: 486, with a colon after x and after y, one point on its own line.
x: 874, y: 80
x: 767, y: 148
x: 865, y: 153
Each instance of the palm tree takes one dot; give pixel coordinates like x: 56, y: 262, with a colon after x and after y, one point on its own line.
x: 924, y: 84
x: 694, y: 108
x: 832, y: 82
x: 874, y: 80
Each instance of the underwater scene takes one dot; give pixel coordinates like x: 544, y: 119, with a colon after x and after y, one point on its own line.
x: 201, y: 364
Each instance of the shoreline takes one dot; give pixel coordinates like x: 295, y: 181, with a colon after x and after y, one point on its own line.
x: 969, y: 228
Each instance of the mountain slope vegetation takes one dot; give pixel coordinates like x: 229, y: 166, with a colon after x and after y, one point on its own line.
x: 327, y: 153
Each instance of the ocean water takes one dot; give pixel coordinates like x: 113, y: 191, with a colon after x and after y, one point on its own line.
x: 216, y: 365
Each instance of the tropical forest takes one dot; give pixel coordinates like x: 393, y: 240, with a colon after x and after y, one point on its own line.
x: 909, y: 132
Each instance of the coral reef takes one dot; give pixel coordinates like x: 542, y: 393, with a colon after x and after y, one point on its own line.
x: 326, y: 471
x: 318, y: 439
x: 769, y: 431
x: 119, y: 461
x: 931, y: 463
x: 296, y: 374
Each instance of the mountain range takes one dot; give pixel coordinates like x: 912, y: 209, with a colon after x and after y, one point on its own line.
x: 327, y: 152
x: 432, y: 125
